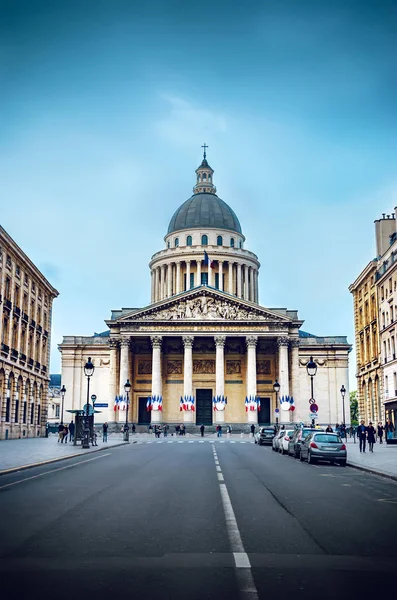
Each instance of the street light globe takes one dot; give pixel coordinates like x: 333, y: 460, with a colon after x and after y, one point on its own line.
x: 63, y: 390
x: 343, y: 391
x: 276, y: 386
x: 311, y: 367
x: 89, y: 368
x: 127, y: 386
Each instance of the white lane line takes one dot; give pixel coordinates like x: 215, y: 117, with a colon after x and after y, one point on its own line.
x: 245, y: 579
x: 218, y: 468
x: 232, y: 442
x: 191, y: 442
x: 201, y: 442
x: 170, y: 442
x: 222, y: 442
x: 149, y: 442
x: 220, y: 477
x: 159, y: 442
x: 54, y: 470
x: 180, y: 442
x: 243, y: 442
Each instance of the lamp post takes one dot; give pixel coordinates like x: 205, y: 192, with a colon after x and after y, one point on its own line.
x: 276, y: 387
x: 311, y: 369
x: 127, y: 389
x: 343, y: 393
x: 63, y: 392
x: 88, y: 372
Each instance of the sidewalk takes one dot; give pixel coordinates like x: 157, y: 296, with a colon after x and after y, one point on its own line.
x: 22, y: 454
x: 383, y: 460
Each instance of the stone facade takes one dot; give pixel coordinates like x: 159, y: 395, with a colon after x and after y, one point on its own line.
x: 204, y: 338
x: 26, y: 300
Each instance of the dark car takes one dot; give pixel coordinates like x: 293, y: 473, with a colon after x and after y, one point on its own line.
x: 294, y: 445
x: 323, y: 446
x: 264, y: 435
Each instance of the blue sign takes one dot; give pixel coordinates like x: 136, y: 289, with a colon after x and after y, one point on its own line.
x: 101, y: 405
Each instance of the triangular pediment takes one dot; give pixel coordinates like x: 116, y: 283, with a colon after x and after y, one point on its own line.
x: 204, y: 304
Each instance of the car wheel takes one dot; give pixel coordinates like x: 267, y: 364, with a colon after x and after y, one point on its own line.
x: 310, y: 459
x: 342, y: 463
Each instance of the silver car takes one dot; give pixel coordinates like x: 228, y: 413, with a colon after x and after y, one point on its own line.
x: 323, y: 446
x: 276, y: 440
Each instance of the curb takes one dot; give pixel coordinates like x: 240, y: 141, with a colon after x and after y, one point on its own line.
x: 372, y: 471
x: 58, y: 459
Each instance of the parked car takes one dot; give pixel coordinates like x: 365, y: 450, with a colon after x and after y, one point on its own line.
x: 276, y: 440
x: 284, y: 440
x: 294, y: 444
x: 323, y: 446
x: 264, y: 435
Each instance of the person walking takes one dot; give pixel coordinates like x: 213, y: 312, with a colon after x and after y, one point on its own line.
x: 219, y: 431
x: 202, y: 430
x: 165, y: 430
x: 329, y: 429
x: 65, y: 433
x: 71, y: 431
x: 177, y: 429
x: 183, y: 429
x: 389, y: 428
x: 105, y: 432
x: 252, y: 430
x: 371, y: 436
x: 60, y: 432
x: 133, y: 428
x: 380, y: 430
x: 228, y: 430
x: 362, y: 435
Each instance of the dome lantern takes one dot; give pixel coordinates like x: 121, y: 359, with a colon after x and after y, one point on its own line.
x: 204, y: 174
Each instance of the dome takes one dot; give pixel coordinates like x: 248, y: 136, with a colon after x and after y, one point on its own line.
x: 204, y: 210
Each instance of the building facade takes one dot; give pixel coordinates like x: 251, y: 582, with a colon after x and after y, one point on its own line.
x: 204, y: 350
x: 26, y: 299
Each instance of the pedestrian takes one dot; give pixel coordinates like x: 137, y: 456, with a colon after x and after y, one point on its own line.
x: 65, y: 433
x: 380, y: 430
x: 133, y: 428
x: 389, y: 428
x: 202, y: 430
x: 150, y: 428
x: 47, y: 425
x: 177, y: 429
x: 228, y: 430
x: 165, y: 430
x: 219, y: 430
x: 329, y: 429
x: 71, y: 431
x: 371, y: 436
x: 362, y: 435
x: 252, y: 430
x: 60, y: 432
x: 183, y: 429
x: 343, y: 430
x: 105, y: 432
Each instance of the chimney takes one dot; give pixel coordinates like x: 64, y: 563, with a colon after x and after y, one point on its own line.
x: 384, y: 228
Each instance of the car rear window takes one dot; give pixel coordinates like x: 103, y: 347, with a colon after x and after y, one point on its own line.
x: 290, y: 433
x: 326, y: 438
x: 269, y: 431
x: 305, y: 433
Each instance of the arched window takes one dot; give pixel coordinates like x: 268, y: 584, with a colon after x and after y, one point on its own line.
x: 219, y: 240
x: 204, y: 176
x: 240, y: 244
x: 176, y: 243
x: 232, y: 242
x: 204, y: 240
x: 189, y: 240
x: 168, y: 244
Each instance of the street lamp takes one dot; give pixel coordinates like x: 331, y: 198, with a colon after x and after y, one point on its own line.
x: 63, y: 392
x: 127, y: 389
x: 311, y: 369
x: 343, y: 393
x: 276, y: 387
x: 88, y: 372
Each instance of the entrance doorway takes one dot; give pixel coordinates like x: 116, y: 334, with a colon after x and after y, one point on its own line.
x: 143, y: 413
x: 203, y: 407
x: 264, y: 413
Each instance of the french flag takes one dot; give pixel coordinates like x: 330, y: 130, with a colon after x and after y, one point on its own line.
x: 149, y: 404
x: 206, y: 258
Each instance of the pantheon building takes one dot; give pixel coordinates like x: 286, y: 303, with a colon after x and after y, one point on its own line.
x: 204, y: 350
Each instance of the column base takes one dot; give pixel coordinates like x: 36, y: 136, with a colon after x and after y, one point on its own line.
x: 156, y: 416
x: 252, y: 416
x: 219, y: 416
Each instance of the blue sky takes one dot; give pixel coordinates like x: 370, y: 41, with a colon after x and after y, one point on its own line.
x: 105, y: 105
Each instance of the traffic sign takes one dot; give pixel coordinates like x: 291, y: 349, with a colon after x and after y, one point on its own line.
x: 93, y: 398
x: 277, y: 410
x: 101, y: 405
x: 90, y: 409
x: 313, y: 408
x: 313, y: 416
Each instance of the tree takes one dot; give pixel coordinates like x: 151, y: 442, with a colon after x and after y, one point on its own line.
x: 354, y: 408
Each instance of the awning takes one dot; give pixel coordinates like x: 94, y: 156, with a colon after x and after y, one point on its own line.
x: 80, y: 411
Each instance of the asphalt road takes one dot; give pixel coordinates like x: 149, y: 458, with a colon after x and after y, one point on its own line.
x: 191, y: 520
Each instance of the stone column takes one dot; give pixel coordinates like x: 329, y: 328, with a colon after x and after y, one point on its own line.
x: 295, y: 387
x: 252, y: 285
x: 283, y: 377
x: 220, y: 374
x: 169, y: 280
x: 157, y: 388
x: 163, y: 288
x: 239, y: 290
x: 188, y: 275
x: 198, y: 282
x: 156, y: 284
x: 251, y: 341
x: 230, y: 286
x: 124, y: 364
x: 246, y: 288
x: 209, y: 270
x: 152, y: 286
x: 178, y: 276
x: 220, y: 275
x: 188, y: 415
x: 113, y: 381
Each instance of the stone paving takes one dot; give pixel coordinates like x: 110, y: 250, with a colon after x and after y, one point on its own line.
x: 19, y: 453
x: 382, y: 460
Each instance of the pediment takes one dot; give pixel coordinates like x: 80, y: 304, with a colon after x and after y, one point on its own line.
x: 204, y: 305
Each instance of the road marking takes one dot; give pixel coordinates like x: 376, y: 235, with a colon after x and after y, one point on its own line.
x: 389, y: 501
x: 220, y: 477
x: 232, y: 442
x: 243, y: 442
x: 159, y: 442
x: 54, y: 470
x: 201, y: 441
x: 245, y: 579
x: 218, y: 468
x: 170, y: 442
x: 222, y: 442
x: 191, y: 442
x: 180, y: 442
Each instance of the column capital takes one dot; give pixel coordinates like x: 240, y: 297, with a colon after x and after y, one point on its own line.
x: 113, y: 342
x: 283, y: 341
x: 156, y: 341
x: 188, y: 341
x: 295, y: 343
x: 125, y: 342
x: 220, y: 340
x: 251, y: 340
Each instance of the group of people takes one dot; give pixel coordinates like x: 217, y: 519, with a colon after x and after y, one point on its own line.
x: 160, y: 429
x: 368, y: 433
x: 64, y: 431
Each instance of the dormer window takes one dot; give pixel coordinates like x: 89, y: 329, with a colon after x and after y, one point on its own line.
x: 176, y: 243
x: 204, y: 240
x: 232, y: 242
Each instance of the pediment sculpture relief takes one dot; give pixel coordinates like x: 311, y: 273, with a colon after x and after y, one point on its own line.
x: 206, y: 308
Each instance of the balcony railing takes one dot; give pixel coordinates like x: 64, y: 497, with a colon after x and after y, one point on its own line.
x: 33, y: 323
x: 30, y: 362
x: 25, y: 317
x: 22, y: 357
x: 14, y: 353
x: 44, y: 369
x: 39, y: 328
x: 8, y: 304
x: 45, y: 333
x: 5, y: 348
x: 17, y: 311
x: 37, y: 365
